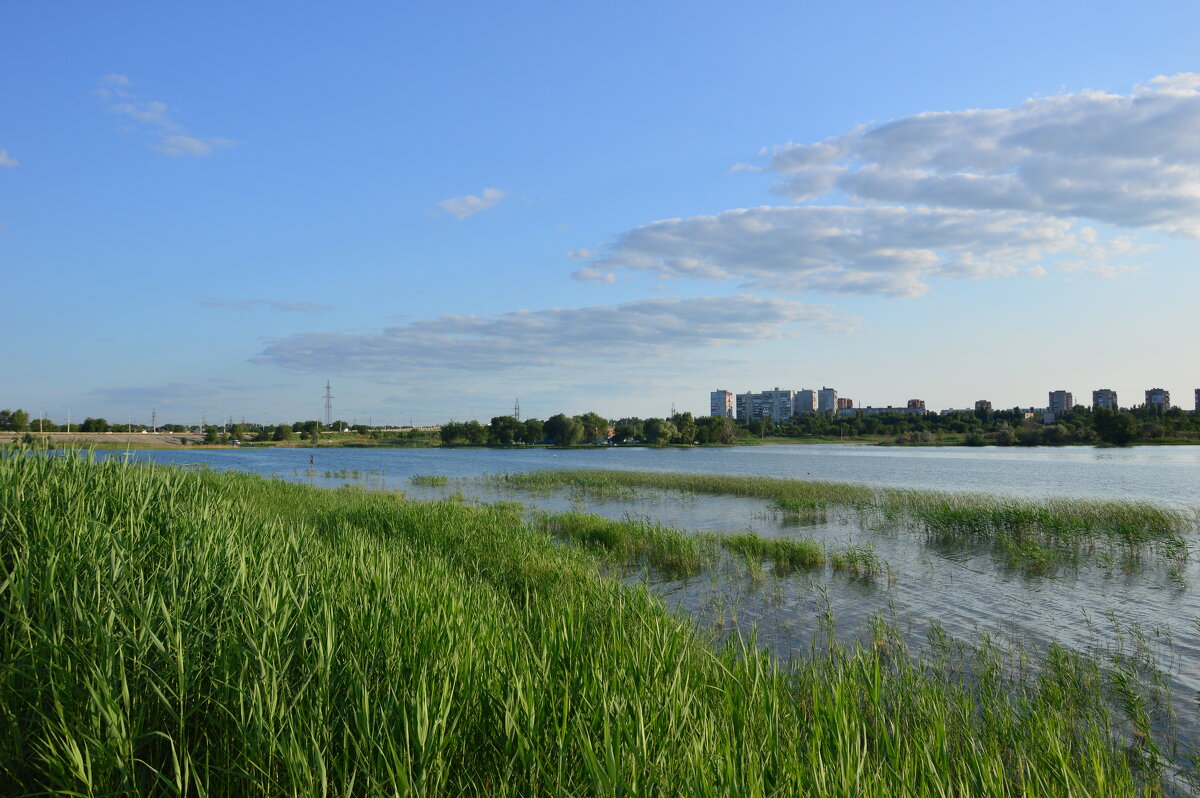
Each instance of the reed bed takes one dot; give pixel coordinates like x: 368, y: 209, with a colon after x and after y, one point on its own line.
x: 787, y: 554
x: 429, y: 480
x: 1040, y: 532
x: 219, y: 634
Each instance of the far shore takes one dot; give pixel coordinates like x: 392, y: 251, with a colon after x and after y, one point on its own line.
x: 194, y: 440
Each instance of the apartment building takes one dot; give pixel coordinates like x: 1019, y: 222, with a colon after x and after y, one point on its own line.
x: 983, y: 405
x: 844, y: 404
x: 1061, y: 402
x: 805, y: 401
x: 916, y: 404
x: 827, y: 400
x: 1104, y: 398
x: 1159, y: 398
x: 721, y: 403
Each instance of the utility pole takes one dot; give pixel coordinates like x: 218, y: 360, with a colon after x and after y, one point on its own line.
x: 68, y: 420
x: 154, y: 420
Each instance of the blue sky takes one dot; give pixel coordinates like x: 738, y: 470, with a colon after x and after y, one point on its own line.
x: 213, y: 210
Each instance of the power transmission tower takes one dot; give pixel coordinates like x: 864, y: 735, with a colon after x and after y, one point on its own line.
x: 154, y: 420
x: 517, y: 409
x: 328, y: 404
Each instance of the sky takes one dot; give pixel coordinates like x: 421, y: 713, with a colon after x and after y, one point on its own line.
x: 443, y: 209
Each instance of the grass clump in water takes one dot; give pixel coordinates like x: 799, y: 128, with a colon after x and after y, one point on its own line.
x: 429, y: 480
x: 786, y: 553
x: 167, y: 632
x: 633, y: 539
x: 860, y: 559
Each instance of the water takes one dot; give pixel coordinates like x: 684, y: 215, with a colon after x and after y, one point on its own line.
x: 966, y: 588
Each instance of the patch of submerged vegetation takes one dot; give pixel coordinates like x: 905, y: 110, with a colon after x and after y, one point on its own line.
x: 669, y: 550
x: 677, y: 553
x: 342, y: 642
x: 429, y: 480
x: 1037, y: 534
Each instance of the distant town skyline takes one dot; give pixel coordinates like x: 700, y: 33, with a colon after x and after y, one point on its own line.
x: 605, y: 209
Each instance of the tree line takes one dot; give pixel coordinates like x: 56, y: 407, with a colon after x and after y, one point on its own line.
x: 591, y: 428
x: 1081, y: 425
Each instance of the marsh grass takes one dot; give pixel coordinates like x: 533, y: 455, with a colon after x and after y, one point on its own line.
x: 670, y: 551
x: 1035, y: 534
x: 219, y: 634
x: 861, y: 559
x: 429, y: 480
x: 787, y: 554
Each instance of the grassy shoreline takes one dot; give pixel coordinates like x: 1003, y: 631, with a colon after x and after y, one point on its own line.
x: 175, y: 632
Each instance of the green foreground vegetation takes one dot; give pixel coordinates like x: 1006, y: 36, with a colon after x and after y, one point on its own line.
x: 171, y: 632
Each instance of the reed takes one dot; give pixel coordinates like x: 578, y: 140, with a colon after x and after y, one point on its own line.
x: 1040, y: 530
x: 200, y: 633
x: 429, y: 480
x: 787, y: 554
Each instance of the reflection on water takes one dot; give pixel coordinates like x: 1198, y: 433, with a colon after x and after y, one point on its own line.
x: 1101, y: 603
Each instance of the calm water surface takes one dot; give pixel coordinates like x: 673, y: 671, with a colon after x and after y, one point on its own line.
x: 966, y: 588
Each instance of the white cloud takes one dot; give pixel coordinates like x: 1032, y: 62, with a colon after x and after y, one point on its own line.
x: 180, y: 145
x: 836, y: 249
x: 886, y: 208
x: 153, y: 118
x: 7, y: 161
x: 1131, y: 160
x: 643, y: 331
x: 471, y: 204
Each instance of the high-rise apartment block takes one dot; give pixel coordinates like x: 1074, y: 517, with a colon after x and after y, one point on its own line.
x: 1159, y: 398
x: 805, y: 401
x: 1198, y: 400
x: 844, y: 404
x: 720, y: 403
x: 983, y: 406
x: 1061, y: 402
x: 827, y: 400
x: 1104, y: 398
x: 916, y: 404
x: 778, y: 404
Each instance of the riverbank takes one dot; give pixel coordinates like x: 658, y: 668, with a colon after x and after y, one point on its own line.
x: 221, y: 633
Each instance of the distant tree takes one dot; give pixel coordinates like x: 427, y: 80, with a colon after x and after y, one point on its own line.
x: 595, y: 427
x: 1029, y: 433
x: 1055, y: 434
x: 212, y: 435
x: 1115, y: 427
x: 505, y: 431
x: 237, y: 432
x: 659, y: 431
x: 534, y: 432
x: 686, y: 428
x: 18, y: 420
x: 283, y: 432
x: 716, y: 429
x: 563, y: 431
x: 94, y: 425
x: 627, y: 429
